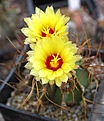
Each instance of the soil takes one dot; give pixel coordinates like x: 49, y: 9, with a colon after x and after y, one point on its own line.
x: 73, y: 112
x: 8, y: 52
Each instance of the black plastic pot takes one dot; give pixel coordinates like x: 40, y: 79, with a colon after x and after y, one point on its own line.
x: 42, y: 4
x: 12, y: 114
x: 90, y: 4
x: 97, y: 112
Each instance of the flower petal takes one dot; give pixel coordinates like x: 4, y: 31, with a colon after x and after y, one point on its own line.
x: 41, y: 22
x: 51, y: 82
x: 45, y: 72
x: 58, y: 82
x: 64, y: 78
x: 66, y: 68
x: 44, y: 80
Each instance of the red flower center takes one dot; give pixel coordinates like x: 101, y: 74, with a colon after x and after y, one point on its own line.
x: 47, y: 32
x: 54, y: 62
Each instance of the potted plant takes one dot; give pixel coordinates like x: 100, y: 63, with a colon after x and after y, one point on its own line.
x: 57, y: 75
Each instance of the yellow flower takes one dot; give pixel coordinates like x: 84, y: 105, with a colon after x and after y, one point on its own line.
x: 45, y: 25
x: 52, y: 59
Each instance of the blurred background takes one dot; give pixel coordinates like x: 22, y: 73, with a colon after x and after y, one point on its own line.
x: 87, y: 21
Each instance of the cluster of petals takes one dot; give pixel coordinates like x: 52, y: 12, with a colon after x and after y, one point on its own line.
x: 45, y: 25
x: 51, y: 60
x: 52, y: 56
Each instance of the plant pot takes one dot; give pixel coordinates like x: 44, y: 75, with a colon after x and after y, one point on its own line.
x: 12, y: 114
x: 9, y: 113
x: 42, y: 4
x: 97, y: 112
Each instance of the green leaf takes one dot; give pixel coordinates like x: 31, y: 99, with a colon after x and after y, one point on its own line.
x: 55, y: 95
x: 82, y: 75
x: 77, y: 97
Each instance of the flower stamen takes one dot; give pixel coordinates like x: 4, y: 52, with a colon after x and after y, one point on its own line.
x: 54, y: 62
x: 47, y: 32
x: 55, y: 58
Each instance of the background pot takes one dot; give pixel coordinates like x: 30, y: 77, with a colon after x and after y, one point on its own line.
x: 12, y: 114
x: 9, y: 113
